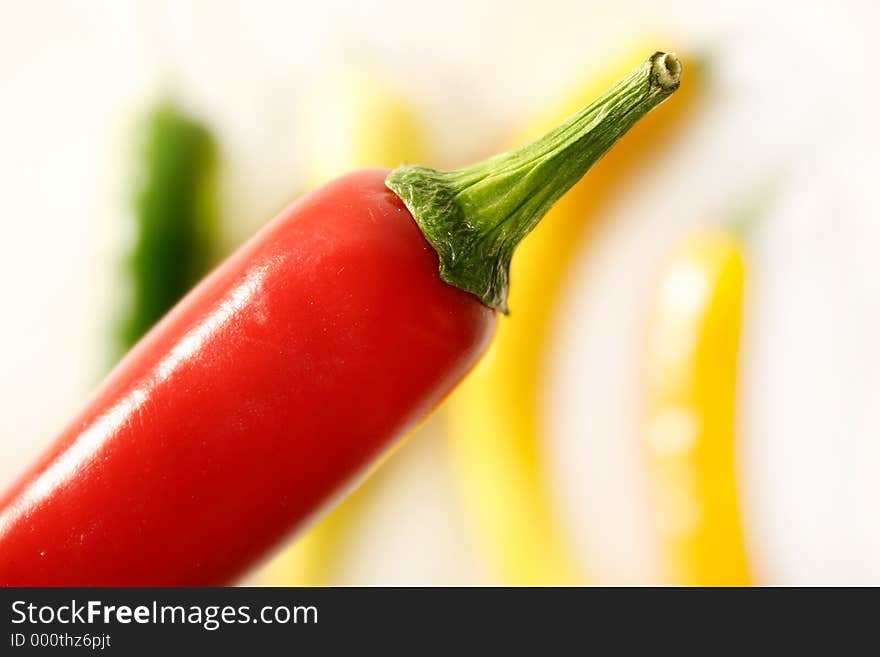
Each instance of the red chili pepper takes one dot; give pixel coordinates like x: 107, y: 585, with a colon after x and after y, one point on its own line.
x: 277, y: 381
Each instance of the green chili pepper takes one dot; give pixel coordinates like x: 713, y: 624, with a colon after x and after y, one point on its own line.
x: 175, y: 218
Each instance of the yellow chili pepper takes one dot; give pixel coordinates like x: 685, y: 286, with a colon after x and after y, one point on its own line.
x: 354, y: 119
x: 689, y: 440
x: 494, y: 417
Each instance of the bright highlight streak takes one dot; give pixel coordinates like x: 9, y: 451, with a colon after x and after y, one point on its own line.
x: 87, y: 445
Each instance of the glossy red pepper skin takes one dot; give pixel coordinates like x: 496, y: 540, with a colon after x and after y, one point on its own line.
x: 262, y: 395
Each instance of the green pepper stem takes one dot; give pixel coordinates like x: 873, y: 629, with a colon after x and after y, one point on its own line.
x: 474, y: 217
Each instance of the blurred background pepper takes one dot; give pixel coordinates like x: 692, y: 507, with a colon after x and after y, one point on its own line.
x: 692, y: 365
x: 174, y: 227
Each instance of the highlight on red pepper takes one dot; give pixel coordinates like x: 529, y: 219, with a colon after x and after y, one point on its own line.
x: 273, y: 386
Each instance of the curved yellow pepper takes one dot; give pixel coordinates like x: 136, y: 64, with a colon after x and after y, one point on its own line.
x: 689, y: 439
x: 352, y: 120
x: 494, y: 415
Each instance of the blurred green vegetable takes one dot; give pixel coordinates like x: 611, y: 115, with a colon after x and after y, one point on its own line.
x: 175, y: 219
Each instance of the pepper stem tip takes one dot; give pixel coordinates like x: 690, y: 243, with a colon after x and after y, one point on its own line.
x: 667, y: 70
